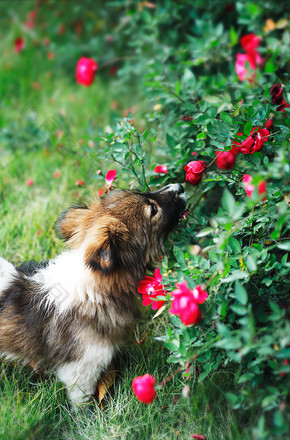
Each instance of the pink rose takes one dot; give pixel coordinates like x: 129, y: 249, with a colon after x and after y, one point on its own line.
x: 143, y: 387
x: 185, y: 303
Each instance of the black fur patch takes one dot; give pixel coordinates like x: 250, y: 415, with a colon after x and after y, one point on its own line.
x: 29, y: 268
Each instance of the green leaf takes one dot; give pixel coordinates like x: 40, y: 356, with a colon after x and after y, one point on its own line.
x: 247, y: 128
x: 284, y: 246
x: 232, y: 397
x: 284, y: 354
x: 245, y: 377
x: 205, y: 373
x: 228, y: 201
x: 172, y: 346
x: 241, y: 293
x: 235, y: 245
x: 177, y: 87
x: 227, y: 118
x: 235, y: 275
x: 233, y: 36
x: 178, y: 253
x: 239, y: 310
x: 212, y: 99
x: 251, y: 264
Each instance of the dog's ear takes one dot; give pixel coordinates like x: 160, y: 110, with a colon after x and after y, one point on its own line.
x: 70, y: 223
x: 104, y: 250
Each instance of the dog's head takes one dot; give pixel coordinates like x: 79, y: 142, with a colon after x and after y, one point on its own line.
x: 124, y: 230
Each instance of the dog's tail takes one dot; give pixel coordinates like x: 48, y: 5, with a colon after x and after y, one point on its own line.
x: 7, y: 274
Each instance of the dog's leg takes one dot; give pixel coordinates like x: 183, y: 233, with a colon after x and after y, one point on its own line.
x: 81, y: 377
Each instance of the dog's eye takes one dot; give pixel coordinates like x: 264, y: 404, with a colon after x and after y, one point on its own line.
x: 154, y: 209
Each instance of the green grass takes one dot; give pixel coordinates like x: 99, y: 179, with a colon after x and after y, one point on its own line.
x: 35, y: 408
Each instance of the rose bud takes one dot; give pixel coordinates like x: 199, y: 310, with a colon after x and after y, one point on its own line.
x: 194, y: 170
x: 85, y: 72
x: 225, y: 160
x: 276, y: 91
x: 143, y: 387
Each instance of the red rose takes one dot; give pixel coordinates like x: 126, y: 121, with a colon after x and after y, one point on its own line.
x: 143, y: 387
x: 250, y: 42
x: 19, y: 44
x: 255, y: 141
x: 194, y: 170
x: 85, y: 72
x: 150, y: 288
x: 276, y: 91
x: 225, y: 160
x: 198, y: 437
x: 185, y: 303
x: 161, y: 169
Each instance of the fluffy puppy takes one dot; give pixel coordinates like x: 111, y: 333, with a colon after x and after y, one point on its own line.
x: 71, y: 314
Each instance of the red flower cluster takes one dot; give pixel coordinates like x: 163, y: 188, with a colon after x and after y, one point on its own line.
x: 85, y: 72
x: 185, y: 303
x: 194, y: 170
x: 255, y: 141
x: 250, y: 188
x: 250, y: 44
x: 143, y: 387
x: 276, y: 92
x: 150, y: 288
